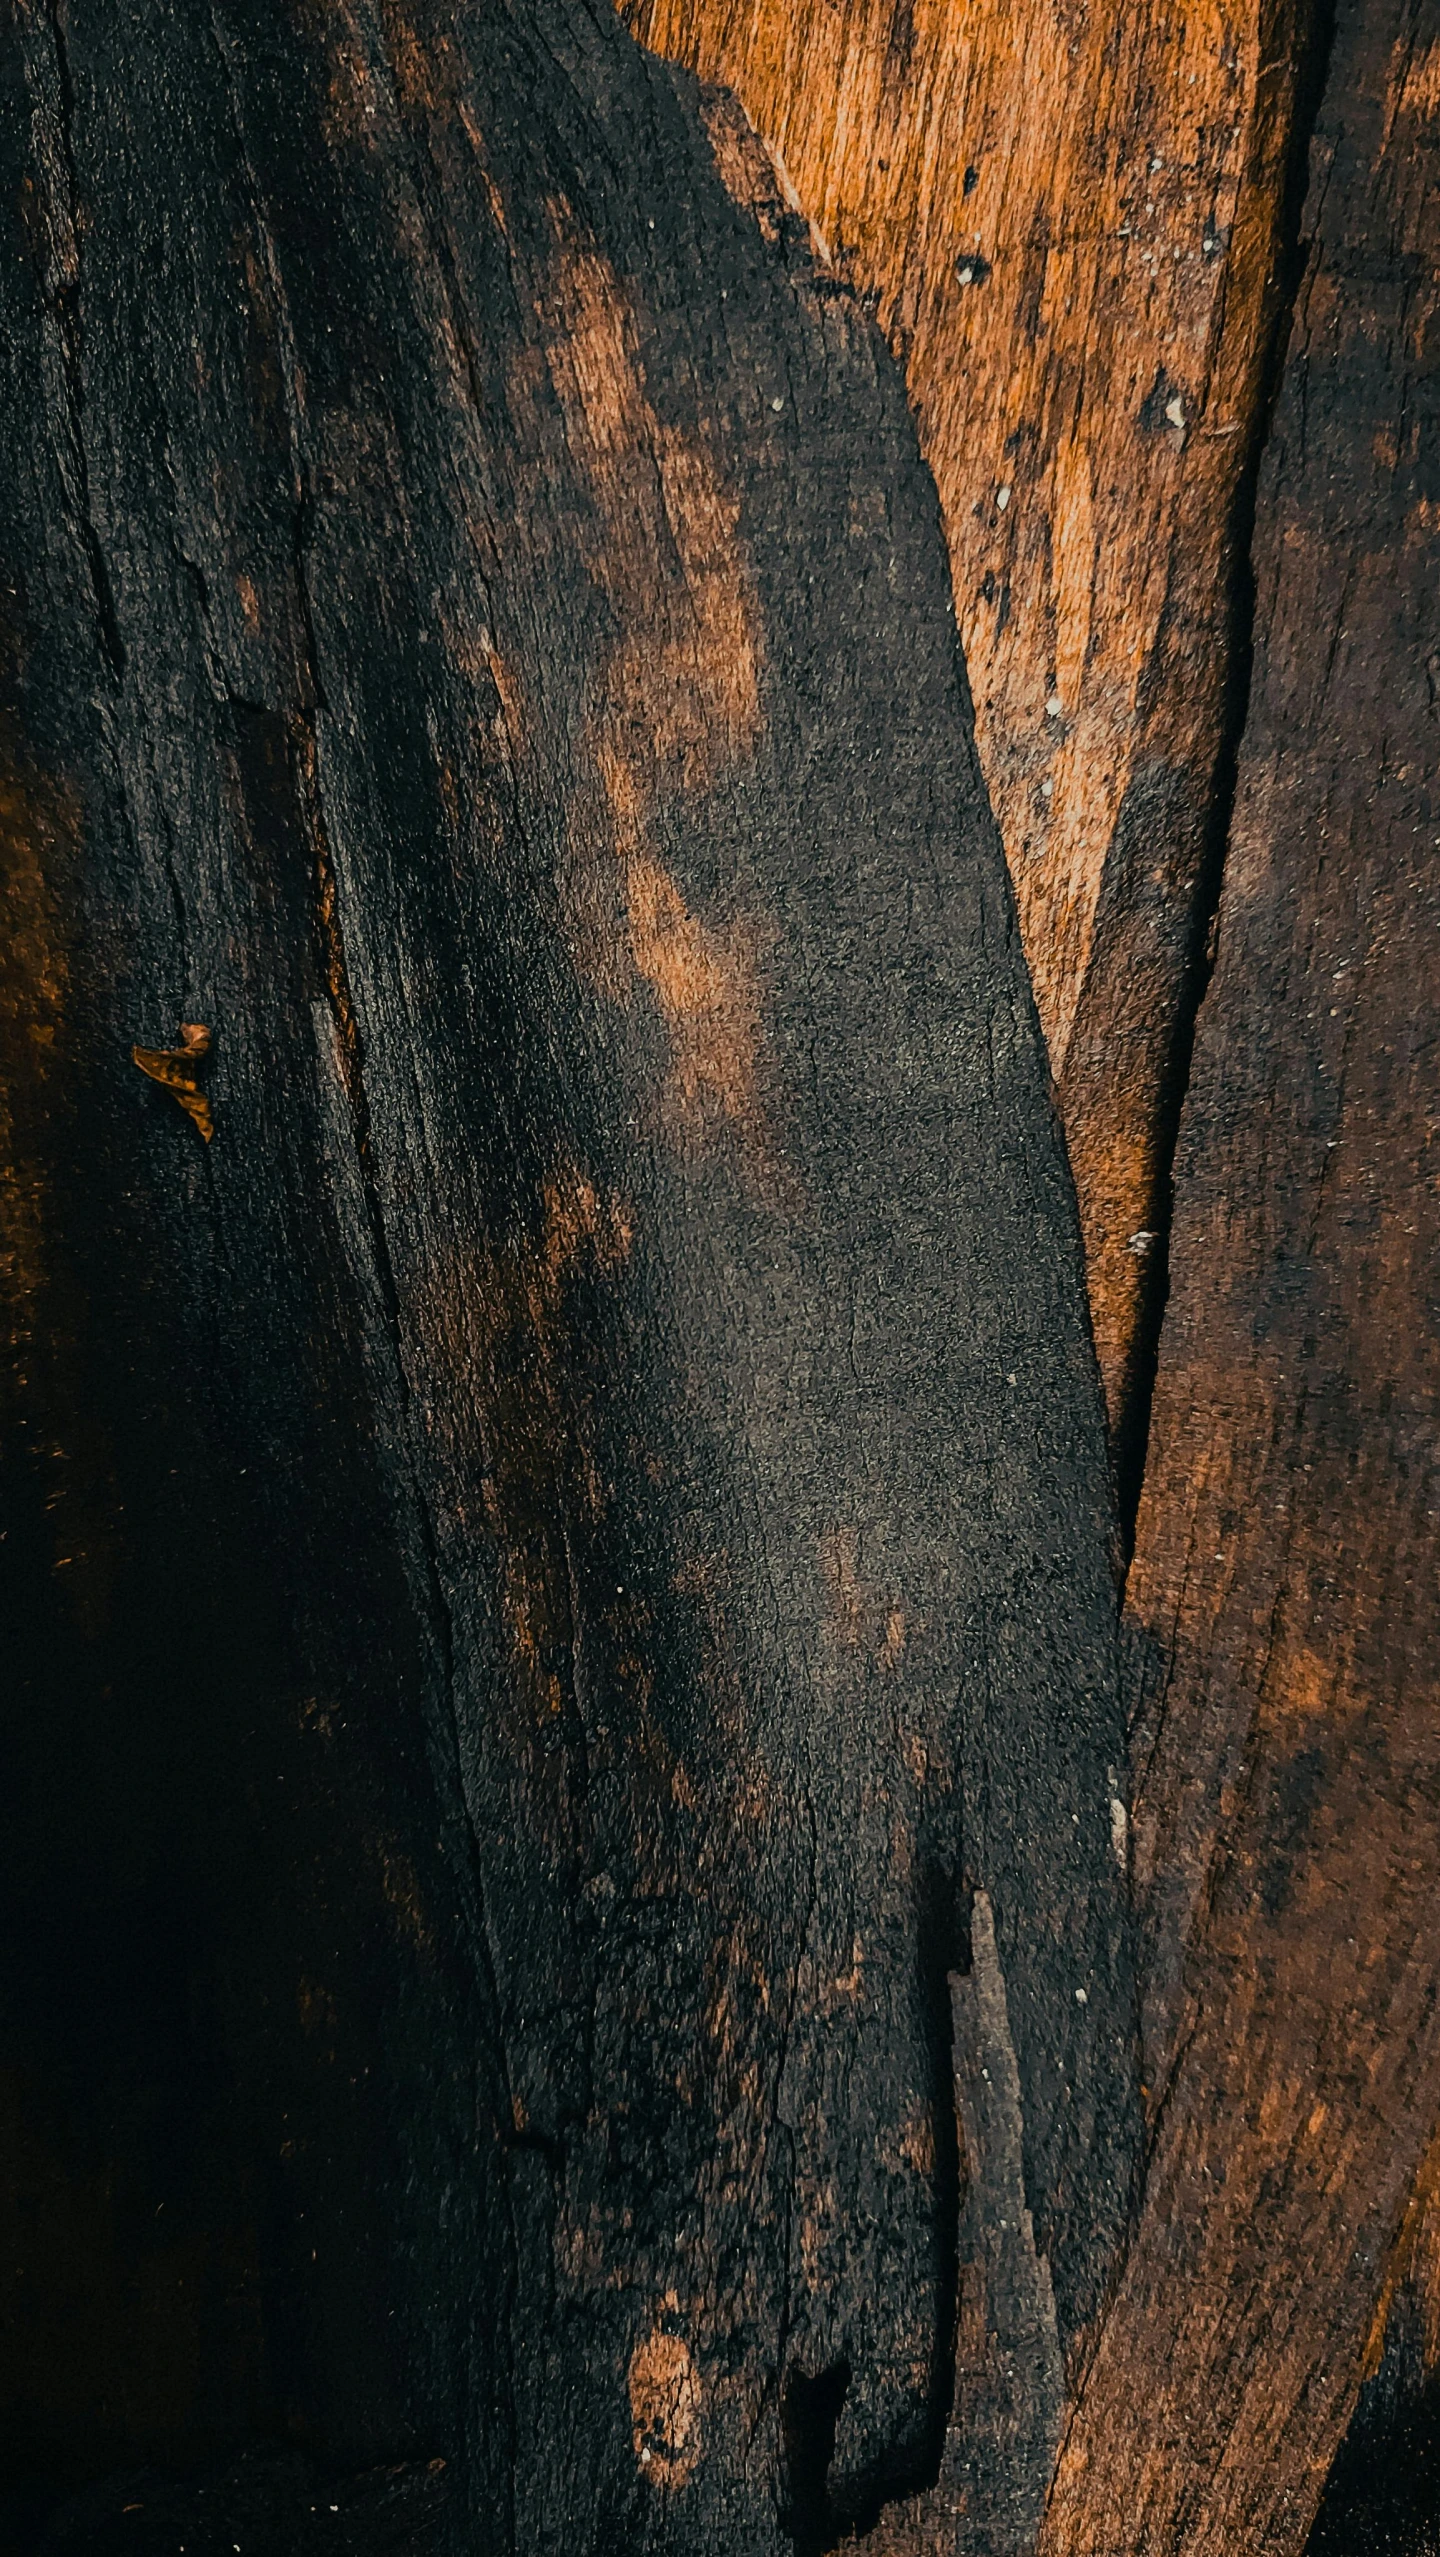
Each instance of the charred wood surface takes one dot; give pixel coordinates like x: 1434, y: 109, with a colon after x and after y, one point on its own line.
x: 558, y: 1506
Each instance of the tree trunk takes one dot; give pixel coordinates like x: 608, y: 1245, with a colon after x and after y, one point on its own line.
x: 592, y: 1966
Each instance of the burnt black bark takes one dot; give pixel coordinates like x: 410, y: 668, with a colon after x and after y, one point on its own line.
x: 555, y: 1553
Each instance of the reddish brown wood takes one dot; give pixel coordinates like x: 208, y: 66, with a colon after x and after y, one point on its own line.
x: 1283, y: 1598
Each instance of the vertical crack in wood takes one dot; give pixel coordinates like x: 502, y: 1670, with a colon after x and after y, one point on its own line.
x: 1313, y: 38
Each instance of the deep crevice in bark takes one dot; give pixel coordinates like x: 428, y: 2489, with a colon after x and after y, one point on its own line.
x: 809, y: 2417
x: 1132, y: 1438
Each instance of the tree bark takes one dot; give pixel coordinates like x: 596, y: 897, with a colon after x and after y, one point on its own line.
x: 563, y: 1531
x: 614, y: 1945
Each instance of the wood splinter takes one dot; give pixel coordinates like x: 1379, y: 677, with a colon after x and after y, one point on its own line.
x: 175, y: 1069
x: 1007, y: 2406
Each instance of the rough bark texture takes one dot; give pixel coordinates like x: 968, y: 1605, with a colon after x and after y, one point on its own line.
x: 567, y: 1870
x: 1283, y: 1594
x: 558, y: 1549
x: 1071, y: 222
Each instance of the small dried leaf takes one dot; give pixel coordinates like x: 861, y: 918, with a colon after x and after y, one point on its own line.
x: 175, y: 1069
